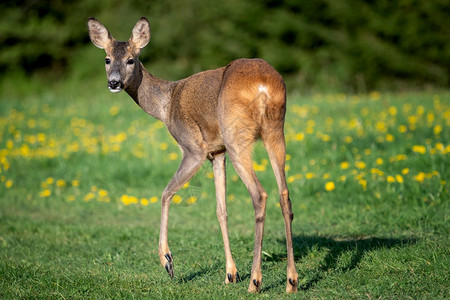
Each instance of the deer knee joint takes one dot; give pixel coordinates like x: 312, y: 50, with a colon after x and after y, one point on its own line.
x: 166, y: 196
x: 264, y: 196
x: 260, y: 218
x: 222, y: 216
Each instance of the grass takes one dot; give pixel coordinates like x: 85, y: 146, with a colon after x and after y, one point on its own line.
x: 81, y: 178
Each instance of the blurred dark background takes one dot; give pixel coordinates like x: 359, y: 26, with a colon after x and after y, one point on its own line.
x: 347, y: 46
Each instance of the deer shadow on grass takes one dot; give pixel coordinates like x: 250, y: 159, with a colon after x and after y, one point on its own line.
x: 336, y: 247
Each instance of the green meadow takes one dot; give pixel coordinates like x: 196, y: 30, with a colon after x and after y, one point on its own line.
x: 81, y: 174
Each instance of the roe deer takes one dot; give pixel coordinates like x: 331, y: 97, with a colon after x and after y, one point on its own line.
x: 208, y: 114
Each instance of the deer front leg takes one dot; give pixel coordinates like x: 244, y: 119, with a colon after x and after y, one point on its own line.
x: 188, y: 167
x: 220, y: 182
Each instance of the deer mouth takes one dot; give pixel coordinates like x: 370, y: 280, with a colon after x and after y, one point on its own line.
x: 115, y: 86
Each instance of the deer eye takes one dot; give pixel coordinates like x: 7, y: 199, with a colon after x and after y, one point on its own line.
x: 130, y: 61
x: 107, y: 61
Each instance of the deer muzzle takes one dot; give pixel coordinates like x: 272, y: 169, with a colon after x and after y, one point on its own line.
x: 115, y: 86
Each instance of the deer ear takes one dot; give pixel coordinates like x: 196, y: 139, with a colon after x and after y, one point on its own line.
x: 140, y: 36
x: 98, y: 33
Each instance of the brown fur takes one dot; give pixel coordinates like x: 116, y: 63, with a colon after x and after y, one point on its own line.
x: 208, y: 114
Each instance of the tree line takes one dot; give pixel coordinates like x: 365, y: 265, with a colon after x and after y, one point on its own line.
x: 350, y: 45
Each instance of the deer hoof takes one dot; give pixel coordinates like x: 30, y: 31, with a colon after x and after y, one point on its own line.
x: 169, y: 264
x: 233, y: 277
x: 291, y: 286
x: 255, y: 286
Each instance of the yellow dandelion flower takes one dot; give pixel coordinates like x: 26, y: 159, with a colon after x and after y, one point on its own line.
x: 233, y: 178
x: 399, y: 178
x: 288, y: 157
x: 300, y: 136
x: 290, y: 179
x: 153, y: 199
x: 392, y: 110
x: 400, y: 157
x: 437, y: 129
x: 405, y: 171
x: 348, y: 139
x: 177, y: 199
x: 390, y: 179
x: 258, y: 168
x: 89, y: 196
x: 345, y: 165
x: 446, y: 150
x: 210, y: 175
x: 363, y: 184
x: 125, y: 199
x: 133, y: 200
x: 381, y: 126
x: 60, y: 183
x: 75, y: 183
x: 402, y: 128
x: 419, y: 149
x: 310, y: 175
x: 191, y: 200
x: 163, y: 146
x: 50, y: 180
x: 173, y: 156
x: 440, y: 147
x: 186, y: 185
x: 144, y: 201
x: 41, y: 137
x: 420, y: 177
x: 342, y: 178
x: 420, y: 110
x: 360, y: 165
x: 376, y: 171
x: 390, y: 138
x: 379, y: 161
x: 31, y: 123
x: 102, y: 193
x: 9, y: 183
x: 330, y: 186
x: 114, y: 110
x: 45, y: 193
x: 326, y: 138
x: 412, y: 120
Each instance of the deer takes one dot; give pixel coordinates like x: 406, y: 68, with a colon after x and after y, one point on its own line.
x: 209, y: 114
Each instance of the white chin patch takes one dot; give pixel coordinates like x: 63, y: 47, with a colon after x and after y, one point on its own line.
x: 115, y: 90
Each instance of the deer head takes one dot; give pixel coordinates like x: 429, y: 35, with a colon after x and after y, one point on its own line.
x: 122, y: 58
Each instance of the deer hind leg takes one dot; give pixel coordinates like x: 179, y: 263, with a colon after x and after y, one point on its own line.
x: 275, y: 144
x: 238, y: 142
x: 188, y: 167
x: 218, y: 162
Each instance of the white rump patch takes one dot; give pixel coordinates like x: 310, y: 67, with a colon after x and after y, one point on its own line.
x: 263, y: 89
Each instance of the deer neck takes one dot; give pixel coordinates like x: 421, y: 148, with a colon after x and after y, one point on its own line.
x: 151, y: 93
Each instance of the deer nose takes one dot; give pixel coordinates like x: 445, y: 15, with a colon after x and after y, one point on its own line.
x: 113, y: 84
